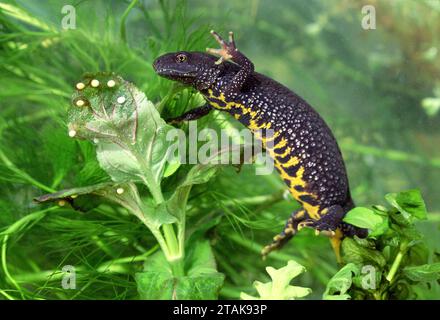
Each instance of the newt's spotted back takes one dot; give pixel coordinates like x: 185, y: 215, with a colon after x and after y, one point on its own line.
x: 303, y: 147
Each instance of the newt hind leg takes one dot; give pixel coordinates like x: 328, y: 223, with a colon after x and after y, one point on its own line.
x: 329, y: 221
x: 290, y: 229
x: 331, y: 224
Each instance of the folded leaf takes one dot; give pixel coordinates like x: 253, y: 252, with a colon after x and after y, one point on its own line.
x: 74, y: 192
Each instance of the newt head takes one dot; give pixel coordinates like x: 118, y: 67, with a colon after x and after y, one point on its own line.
x: 196, y: 69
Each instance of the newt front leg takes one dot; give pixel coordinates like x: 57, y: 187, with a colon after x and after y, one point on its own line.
x: 192, y: 114
x: 229, y: 51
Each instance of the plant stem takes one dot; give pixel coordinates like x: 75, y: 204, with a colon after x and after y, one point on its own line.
x: 396, y: 263
x: 181, y: 235
x: 170, y: 238
x: 177, y: 267
x: 124, y: 17
x: 5, y: 268
x: 394, y: 267
x: 162, y: 242
x: 172, y: 246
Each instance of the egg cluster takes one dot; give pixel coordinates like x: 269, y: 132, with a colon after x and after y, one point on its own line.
x: 82, y: 101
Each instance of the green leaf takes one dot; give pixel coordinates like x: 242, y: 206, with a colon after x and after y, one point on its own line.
x: 341, y: 282
x: 279, y: 288
x: 157, y: 281
x: 201, y: 280
x: 409, y: 202
x: 156, y: 216
x: 200, y: 259
x: 74, y: 192
x: 367, y: 218
x: 203, y: 287
x: 125, y: 194
x: 418, y: 253
x: 200, y: 173
x: 401, y: 220
x: 170, y: 168
x: 358, y: 254
x: 426, y: 272
x: 130, y: 135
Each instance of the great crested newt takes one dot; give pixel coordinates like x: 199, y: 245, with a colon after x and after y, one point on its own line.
x: 304, y: 150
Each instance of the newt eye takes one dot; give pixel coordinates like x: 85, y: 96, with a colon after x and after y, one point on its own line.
x: 181, y: 57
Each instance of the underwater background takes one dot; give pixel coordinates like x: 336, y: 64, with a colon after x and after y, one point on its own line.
x: 378, y: 89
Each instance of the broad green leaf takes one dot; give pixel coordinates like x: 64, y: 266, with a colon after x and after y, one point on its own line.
x: 156, y: 281
x: 355, y: 253
x: 367, y: 218
x: 409, y: 202
x: 130, y: 135
x: 119, y: 163
x: 363, y: 218
x: 203, y: 287
x: 426, y: 272
x: 338, y: 286
x: 279, y: 288
x: 201, y: 280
